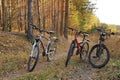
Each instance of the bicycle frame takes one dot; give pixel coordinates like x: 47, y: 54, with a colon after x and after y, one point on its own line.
x: 77, y: 42
x: 76, y: 38
x: 100, y: 42
x: 45, y: 48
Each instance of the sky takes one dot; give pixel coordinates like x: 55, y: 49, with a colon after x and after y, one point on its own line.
x: 108, y: 11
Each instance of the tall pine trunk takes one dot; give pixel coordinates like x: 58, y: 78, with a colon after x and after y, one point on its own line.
x: 3, y: 15
x: 30, y: 21
x: 66, y: 18
x: 38, y: 8
x: 62, y: 15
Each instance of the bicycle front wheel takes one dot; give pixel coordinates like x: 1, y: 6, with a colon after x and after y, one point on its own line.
x: 33, y: 59
x: 70, y: 53
x: 52, y: 50
x: 99, y: 56
x: 84, y: 51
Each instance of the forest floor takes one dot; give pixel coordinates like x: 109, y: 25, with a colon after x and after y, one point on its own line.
x: 14, y: 54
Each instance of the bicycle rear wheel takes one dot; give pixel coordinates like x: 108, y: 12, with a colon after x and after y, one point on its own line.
x: 84, y: 51
x: 33, y: 59
x: 99, y: 56
x: 70, y: 53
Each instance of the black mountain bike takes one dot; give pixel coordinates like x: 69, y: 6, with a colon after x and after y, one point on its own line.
x: 99, y: 54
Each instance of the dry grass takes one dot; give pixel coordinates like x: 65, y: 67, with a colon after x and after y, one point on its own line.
x: 114, y: 44
x: 13, y: 53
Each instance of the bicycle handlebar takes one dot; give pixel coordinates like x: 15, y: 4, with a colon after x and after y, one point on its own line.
x: 78, y: 31
x: 72, y: 29
x: 41, y: 30
x: 102, y: 30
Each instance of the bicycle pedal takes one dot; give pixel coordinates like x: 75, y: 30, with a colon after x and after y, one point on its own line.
x: 77, y: 52
x: 34, y: 57
x: 95, y: 57
x: 48, y: 60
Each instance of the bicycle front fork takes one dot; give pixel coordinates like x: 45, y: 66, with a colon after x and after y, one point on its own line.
x: 33, y: 47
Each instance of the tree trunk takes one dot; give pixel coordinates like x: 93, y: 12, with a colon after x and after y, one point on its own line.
x: 3, y: 16
x: 10, y: 21
x: 52, y: 14
x: 38, y: 8
x: 30, y: 21
x: 57, y: 18
x: 43, y: 14
x: 25, y: 16
x: 66, y: 19
x: 61, y: 21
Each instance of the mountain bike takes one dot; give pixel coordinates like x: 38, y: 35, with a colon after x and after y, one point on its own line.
x: 99, y: 54
x: 82, y: 47
x: 39, y: 47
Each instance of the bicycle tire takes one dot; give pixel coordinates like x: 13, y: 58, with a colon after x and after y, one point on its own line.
x: 70, y: 53
x: 84, y: 51
x: 52, y: 48
x: 103, y: 47
x: 34, y: 58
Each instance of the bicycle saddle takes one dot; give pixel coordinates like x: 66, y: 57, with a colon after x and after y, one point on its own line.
x: 85, y: 33
x: 51, y: 32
